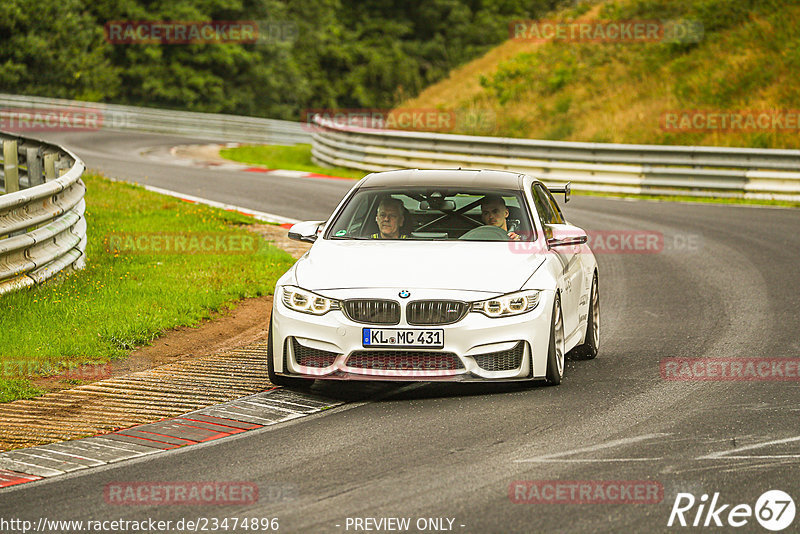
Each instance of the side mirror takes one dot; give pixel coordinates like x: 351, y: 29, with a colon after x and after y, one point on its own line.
x: 562, y: 235
x: 307, y: 231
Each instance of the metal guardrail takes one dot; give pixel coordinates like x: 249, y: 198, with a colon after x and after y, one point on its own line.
x: 18, y: 109
x: 42, y: 224
x: 614, y: 168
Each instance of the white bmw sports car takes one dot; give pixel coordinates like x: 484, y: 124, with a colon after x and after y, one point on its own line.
x: 437, y: 275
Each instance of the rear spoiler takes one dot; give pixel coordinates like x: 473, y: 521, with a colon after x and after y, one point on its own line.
x: 565, y: 189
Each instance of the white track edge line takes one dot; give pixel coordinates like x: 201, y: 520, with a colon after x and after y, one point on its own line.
x: 260, y: 215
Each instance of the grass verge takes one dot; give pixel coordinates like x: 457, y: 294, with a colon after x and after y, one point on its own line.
x: 292, y: 157
x: 153, y: 263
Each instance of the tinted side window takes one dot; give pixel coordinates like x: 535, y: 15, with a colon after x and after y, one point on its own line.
x: 556, y: 208
x: 551, y: 213
x: 542, y: 206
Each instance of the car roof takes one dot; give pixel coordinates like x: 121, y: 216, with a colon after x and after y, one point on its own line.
x: 445, y: 178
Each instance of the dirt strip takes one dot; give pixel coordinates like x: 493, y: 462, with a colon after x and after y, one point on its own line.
x: 206, y: 155
x: 183, y: 370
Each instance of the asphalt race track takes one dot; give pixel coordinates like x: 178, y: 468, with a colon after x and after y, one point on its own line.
x: 118, y: 155
x: 722, y: 284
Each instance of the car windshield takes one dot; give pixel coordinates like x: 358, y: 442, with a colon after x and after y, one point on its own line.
x: 429, y: 214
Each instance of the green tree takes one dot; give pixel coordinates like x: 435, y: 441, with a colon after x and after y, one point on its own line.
x: 55, y: 48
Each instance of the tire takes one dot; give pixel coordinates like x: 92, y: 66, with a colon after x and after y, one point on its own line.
x: 278, y: 380
x: 555, y: 353
x: 591, y: 343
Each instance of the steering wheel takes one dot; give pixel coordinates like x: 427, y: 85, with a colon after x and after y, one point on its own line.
x: 486, y: 232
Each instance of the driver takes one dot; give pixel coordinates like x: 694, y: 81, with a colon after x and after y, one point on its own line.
x: 494, y: 213
x: 390, y: 219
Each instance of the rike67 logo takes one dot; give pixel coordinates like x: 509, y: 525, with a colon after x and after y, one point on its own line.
x: 774, y: 510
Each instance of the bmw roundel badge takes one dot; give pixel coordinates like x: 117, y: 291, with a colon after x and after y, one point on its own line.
x: 404, y: 294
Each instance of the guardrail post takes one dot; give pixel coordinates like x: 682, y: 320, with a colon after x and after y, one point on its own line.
x: 10, y: 166
x: 62, y: 167
x: 50, y: 167
x: 33, y: 160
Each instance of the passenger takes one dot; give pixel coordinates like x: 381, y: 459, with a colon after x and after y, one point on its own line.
x: 494, y: 213
x: 390, y: 219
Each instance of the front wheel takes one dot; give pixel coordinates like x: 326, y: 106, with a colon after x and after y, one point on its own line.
x: 555, y: 353
x: 278, y: 380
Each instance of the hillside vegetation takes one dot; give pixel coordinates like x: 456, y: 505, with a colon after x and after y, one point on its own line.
x: 309, y: 53
x: 748, y: 59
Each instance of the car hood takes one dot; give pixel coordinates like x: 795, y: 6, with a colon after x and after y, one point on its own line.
x: 475, y: 266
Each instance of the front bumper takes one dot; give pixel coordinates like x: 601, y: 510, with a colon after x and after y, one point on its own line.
x: 477, y: 348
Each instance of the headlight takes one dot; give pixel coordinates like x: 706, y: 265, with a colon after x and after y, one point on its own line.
x: 304, y: 301
x: 507, y: 305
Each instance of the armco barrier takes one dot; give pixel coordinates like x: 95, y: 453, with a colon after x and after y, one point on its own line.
x: 42, y: 224
x: 211, y: 126
x: 616, y: 168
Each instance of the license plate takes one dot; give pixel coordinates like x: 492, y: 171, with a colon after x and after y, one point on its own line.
x: 392, y: 337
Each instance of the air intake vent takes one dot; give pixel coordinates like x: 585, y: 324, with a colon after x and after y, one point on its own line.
x: 404, y: 360
x: 312, y: 357
x: 504, y: 360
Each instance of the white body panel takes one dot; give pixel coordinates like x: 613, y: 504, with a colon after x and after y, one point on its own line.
x: 466, y: 271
